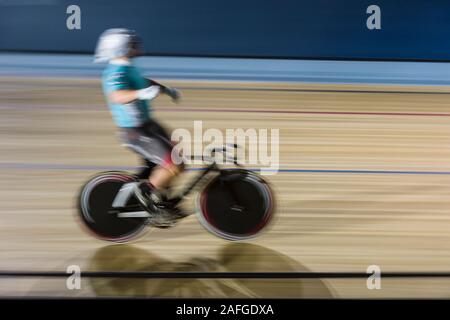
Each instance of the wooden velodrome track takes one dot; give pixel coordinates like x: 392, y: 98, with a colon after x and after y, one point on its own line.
x: 364, y: 180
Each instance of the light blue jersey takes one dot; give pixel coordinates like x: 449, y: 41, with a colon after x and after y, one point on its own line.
x: 125, y: 77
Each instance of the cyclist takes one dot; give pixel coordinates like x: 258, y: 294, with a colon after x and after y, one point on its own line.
x: 128, y: 95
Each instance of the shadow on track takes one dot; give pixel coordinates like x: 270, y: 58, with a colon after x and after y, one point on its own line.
x: 230, y: 258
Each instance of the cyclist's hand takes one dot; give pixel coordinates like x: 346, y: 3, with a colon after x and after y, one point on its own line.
x: 148, y: 93
x: 174, y: 94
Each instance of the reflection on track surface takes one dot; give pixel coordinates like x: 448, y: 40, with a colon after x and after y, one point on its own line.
x: 230, y: 258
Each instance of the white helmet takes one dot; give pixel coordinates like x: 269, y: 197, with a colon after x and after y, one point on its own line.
x: 114, y: 43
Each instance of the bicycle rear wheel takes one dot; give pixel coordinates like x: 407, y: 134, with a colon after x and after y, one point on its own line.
x: 96, y: 212
x: 236, y: 205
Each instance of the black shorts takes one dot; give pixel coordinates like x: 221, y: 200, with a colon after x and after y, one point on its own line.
x: 150, y: 141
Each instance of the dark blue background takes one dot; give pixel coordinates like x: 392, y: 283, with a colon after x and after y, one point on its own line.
x: 261, y: 28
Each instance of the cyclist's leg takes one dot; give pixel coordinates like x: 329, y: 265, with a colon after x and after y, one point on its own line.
x: 143, y: 172
x: 166, y: 169
x: 152, y: 144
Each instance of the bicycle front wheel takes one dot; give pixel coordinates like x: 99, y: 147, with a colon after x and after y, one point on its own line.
x: 236, y: 205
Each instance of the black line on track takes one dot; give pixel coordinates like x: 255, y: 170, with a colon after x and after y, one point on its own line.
x: 223, y: 275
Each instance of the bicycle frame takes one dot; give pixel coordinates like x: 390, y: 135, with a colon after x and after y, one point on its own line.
x: 126, y: 191
x: 221, y: 195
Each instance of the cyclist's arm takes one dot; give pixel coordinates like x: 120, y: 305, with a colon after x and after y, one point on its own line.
x: 123, y: 96
x: 171, y: 92
x: 118, y: 85
x: 164, y: 89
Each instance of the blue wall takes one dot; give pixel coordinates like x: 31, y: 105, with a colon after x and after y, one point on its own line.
x: 261, y: 28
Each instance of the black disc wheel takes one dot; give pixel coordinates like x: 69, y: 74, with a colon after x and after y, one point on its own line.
x: 96, y: 212
x: 236, y: 205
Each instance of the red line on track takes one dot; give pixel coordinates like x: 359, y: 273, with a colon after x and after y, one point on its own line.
x: 181, y: 109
